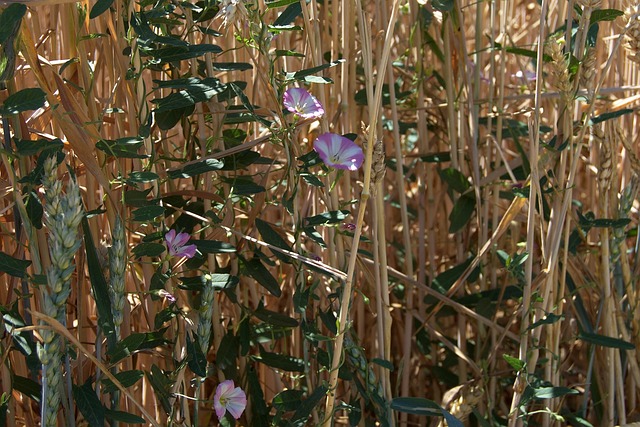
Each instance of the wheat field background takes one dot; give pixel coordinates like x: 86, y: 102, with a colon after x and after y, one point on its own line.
x: 483, y: 260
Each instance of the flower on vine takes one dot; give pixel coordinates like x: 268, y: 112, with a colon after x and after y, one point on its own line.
x: 302, y: 103
x: 228, y: 398
x: 177, y: 244
x: 338, y: 152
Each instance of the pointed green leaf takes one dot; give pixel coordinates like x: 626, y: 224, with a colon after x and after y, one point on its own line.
x: 99, y: 8
x: 606, y: 341
x: 89, y: 404
x: 98, y: 285
x: 26, y: 99
x: 14, y: 266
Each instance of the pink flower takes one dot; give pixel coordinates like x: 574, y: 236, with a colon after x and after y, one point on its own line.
x: 228, y: 398
x: 302, y: 103
x: 338, y: 152
x: 177, y: 244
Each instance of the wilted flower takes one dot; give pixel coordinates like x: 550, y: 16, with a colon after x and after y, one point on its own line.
x: 177, y: 244
x: 228, y: 398
x: 338, y: 152
x: 302, y: 103
x: 231, y: 11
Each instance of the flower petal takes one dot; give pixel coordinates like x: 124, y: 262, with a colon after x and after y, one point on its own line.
x: 236, y: 403
x: 224, y: 387
x: 170, y: 236
x: 338, y: 152
x: 181, y: 239
x: 220, y: 410
x: 300, y: 102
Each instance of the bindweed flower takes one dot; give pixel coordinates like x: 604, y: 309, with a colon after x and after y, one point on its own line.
x: 177, y: 244
x: 338, y: 152
x: 349, y: 226
x: 302, y: 103
x: 228, y: 398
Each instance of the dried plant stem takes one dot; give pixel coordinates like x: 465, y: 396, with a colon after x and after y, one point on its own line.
x: 374, y: 110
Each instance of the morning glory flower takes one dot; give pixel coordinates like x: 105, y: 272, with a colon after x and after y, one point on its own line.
x: 338, y: 152
x: 228, y: 398
x: 302, y: 103
x: 177, y: 244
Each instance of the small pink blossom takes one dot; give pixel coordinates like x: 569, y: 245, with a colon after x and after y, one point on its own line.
x: 177, y: 244
x: 302, y: 103
x: 228, y: 398
x: 338, y: 152
x: 349, y: 226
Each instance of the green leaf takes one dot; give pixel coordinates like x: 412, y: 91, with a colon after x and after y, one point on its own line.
x: 150, y: 249
x: 273, y: 238
x: 274, y: 318
x: 123, y: 417
x: 213, y: 246
x: 26, y: 99
x: 243, y: 186
x: 137, y: 198
x: 26, y: 147
x: 300, y: 75
x: 605, y: 341
x: 147, y: 213
x: 162, y: 386
x: 455, y: 180
x: 280, y: 361
x: 89, y: 404
x: 553, y: 392
x: 196, y: 358
x: 416, y: 406
x: 195, y: 169
x: 232, y: 66
x: 288, y: 400
x: 301, y: 415
x: 514, y: 362
x: 549, y: 319
x: 283, y: 52
x: 331, y: 217
x: 462, y: 212
x: 442, y: 5
x: 280, y: 3
x: 608, y: 116
x: 168, y: 119
x: 227, y: 354
x: 604, y: 15
x: 11, y: 18
x: 261, y: 274
x: 126, y: 378
x: 219, y: 282
x: 98, y: 286
x: 99, y: 8
x: 194, y: 90
x: 136, y: 342
x: 289, y: 14
x: 28, y: 387
x: 178, y: 53
x: 125, y: 148
x: 147, y: 37
x: 34, y: 209
x: 245, y: 102
x: 14, y: 266
x: 142, y: 177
